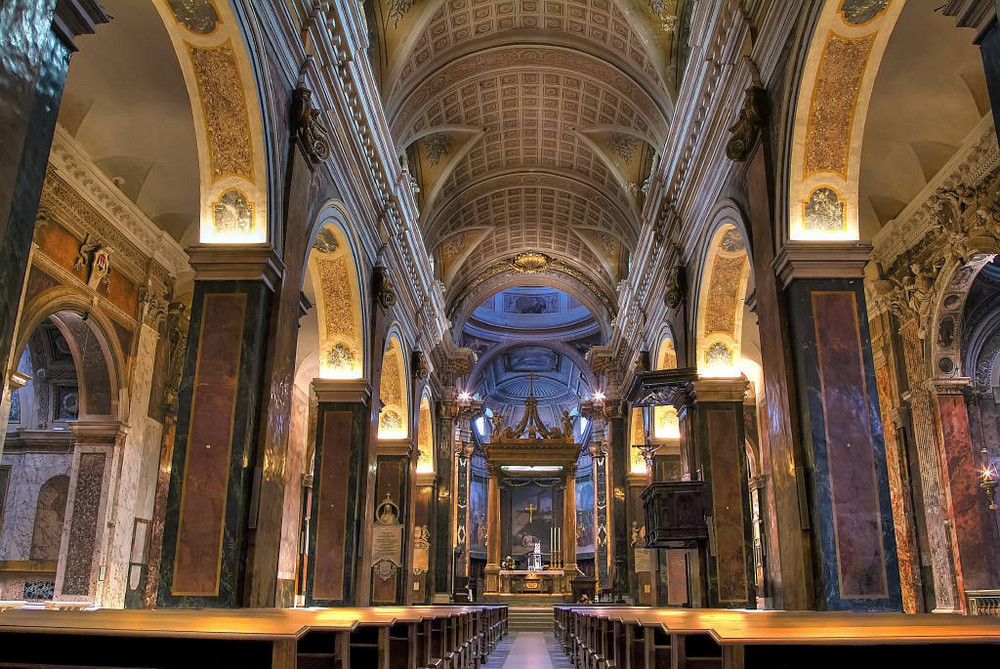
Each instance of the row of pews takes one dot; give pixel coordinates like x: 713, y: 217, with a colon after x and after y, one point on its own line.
x: 418, y: 637
x: 596, y: 637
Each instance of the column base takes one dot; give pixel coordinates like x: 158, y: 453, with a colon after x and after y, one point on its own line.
x: 569, y: 572
x: 492, y: 572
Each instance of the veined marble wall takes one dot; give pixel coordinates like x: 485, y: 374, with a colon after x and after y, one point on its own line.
x: 29, y: 473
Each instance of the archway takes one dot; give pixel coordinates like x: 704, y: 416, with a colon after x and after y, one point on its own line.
x: 60, y: 437
x: 394, y: 419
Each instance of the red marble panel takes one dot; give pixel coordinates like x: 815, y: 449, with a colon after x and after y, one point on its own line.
x: 207, y: 460
x: 331, y: 516
x: 83, y: 525
x: 965, y: 503
x: 727, y: 500
x: 853, y: 487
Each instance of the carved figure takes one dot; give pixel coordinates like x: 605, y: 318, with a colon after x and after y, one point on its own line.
x: 307, y: 127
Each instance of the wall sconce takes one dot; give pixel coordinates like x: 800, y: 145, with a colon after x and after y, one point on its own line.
x: 988, y: 480
x: 989, y: 485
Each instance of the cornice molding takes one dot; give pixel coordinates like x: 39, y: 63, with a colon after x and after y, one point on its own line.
x: 821, y: 260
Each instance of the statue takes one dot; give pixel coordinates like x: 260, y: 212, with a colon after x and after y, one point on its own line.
x: 567, y: 422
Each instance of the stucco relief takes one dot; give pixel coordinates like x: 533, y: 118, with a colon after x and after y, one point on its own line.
x: 720, y: 311
x: 831, y: 110
x: 224, y: 105
x: 336, y: 297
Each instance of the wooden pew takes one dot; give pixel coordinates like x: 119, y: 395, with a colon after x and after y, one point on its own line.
x: 334, y: 638
x: 706, y: 638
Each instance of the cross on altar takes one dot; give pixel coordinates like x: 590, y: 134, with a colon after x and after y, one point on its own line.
x: 531, y: 508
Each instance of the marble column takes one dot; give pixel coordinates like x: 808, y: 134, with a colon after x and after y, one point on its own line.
x: 338, y: 511
x: 974, y: 533
x: 790, y: 562
x: 618, y: 525
x: 83, y: 550
x: 850, y: 512
x: 205, y: 551
x: 716, y: 437
x: 569, y: 526
x: 492, y: 570
x: 38, y: 40
x: 443, y: 537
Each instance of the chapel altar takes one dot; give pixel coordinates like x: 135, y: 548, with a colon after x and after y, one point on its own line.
x: 531, y: 505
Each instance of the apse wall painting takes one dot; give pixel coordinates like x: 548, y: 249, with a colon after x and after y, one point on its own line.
x: 530, y: 517
x: 585, y: 515
x: 477, y: 514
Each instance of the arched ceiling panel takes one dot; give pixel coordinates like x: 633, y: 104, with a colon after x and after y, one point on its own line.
x: 463, y: 26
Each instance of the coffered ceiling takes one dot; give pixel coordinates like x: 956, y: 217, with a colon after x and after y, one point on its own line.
x: 529, y: 125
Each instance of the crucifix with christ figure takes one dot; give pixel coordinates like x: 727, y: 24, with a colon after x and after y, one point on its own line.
x: 531, y: 508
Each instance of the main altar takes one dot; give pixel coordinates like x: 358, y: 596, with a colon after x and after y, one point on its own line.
x: 524, y: 458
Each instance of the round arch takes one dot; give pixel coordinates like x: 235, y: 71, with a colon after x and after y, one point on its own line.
x: 335, y: 278
x: 92, y: 323
x: 217, y: 50
x: 394, y: 419
x: 425, y: 435
x: 837, y: 75
x: 475, y: 376
x: 949, y: 295
x: 723, y: 277
x: 468, y: 302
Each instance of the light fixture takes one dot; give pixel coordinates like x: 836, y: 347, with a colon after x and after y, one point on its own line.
x: 599, y: 396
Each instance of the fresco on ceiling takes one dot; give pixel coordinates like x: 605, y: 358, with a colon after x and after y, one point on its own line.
x: 530, y: 304
x: 573, y: 303
x: 532, y: 359
x: 478, y: 346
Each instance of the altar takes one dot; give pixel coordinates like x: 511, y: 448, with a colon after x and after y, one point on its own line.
x: 531, y: 505
x: 526, y: 582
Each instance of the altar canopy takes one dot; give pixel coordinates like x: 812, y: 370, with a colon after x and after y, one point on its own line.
x: 532, y: 501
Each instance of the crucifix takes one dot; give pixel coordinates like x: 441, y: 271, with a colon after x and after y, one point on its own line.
x: 531, y: 508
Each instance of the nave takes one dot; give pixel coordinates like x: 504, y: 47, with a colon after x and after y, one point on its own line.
x: 341, y: 331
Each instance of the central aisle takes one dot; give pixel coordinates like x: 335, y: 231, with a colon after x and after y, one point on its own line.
x: 528, y: 650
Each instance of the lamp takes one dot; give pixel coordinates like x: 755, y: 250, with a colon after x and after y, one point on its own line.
x: 988, y: 480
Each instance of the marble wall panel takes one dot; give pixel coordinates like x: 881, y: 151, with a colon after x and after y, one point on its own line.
x: 728, y: 498
x: 84, y: 532
x: 198, y: 558
x: 421, y: 542
x: 330, y: 510
x: 851, y: 476
x: 852, y: 528
x: 139, y: 457
x: 29, y: 471
x: 295, y: 467
x: 974, y: 531
x: 390, y: 484
x: 204, y: 537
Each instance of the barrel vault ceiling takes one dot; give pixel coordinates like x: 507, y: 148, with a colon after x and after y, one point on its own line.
x: 529, y: 126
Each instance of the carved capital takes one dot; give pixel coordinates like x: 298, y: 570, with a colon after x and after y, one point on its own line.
x: 307, y: 129
x: 385, y: 287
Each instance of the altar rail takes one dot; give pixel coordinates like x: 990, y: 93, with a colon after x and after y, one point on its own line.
x: 437, y: 637
x: 633, y: 638
x: 983, y: 602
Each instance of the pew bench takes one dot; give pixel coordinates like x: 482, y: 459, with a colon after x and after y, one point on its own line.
x: 334, y: 638
x: 636, y: 638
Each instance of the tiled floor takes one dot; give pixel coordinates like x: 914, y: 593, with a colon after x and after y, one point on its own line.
x: 528, y: 650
